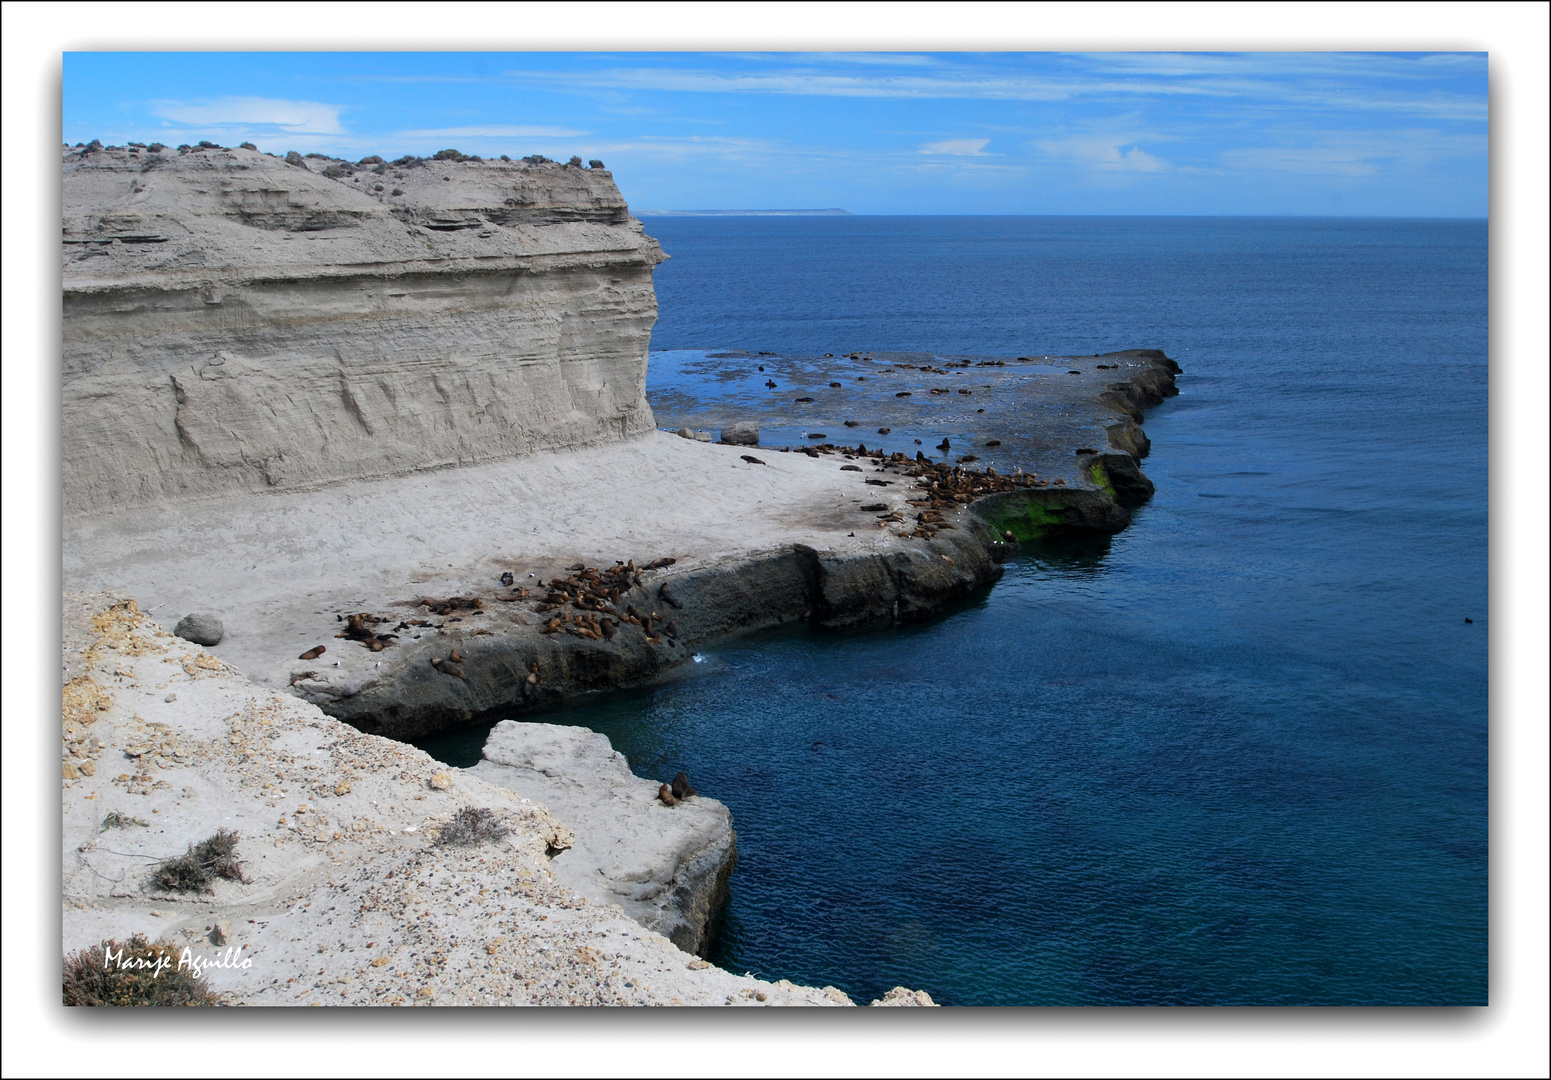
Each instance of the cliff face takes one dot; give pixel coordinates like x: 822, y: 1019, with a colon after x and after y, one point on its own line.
x: 234, y: 323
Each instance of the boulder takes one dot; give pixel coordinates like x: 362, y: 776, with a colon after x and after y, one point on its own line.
x: 741, y: 433
x: 200, y: 629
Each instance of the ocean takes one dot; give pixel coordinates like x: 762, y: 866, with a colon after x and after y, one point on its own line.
x: 1236, y: 754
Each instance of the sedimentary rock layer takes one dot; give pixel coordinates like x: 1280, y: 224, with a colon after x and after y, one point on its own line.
x: 234, y: 323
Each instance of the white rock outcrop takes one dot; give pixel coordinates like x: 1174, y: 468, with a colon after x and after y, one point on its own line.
x: 236, y: 323
x: 667, y: 867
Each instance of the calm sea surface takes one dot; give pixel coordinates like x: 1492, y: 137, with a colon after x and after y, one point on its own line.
x: 1236, y: 754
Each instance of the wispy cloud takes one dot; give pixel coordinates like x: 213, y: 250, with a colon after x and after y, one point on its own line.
x: 291, y: 117
x: 1344, y: 82
x: 958, y: 147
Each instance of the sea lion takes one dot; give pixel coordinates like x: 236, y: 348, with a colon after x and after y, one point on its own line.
x: 843, y: 468
x: 750, y: 459
x: 903, y: 393
x: 884, y: 430
x: 834, y: 386
x: 448, y: 669
x: 994, y: 442
x: 668, y: 597
x: 770, y: 383
x: 852, y: 423
x: 944, y: 445
x: 313, y: 653
x: 455, y: 656
x: 681, y: 786
x: 665, y: 793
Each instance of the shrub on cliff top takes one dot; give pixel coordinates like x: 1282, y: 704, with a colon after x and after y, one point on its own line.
x: 373, y: 159
x: 206, y: 144
x: 136, y: 972
x: 294, y: 158
x: 536, y: 159
x: 246, y: 146
x: 196, y: 869
x: 574, y: 163
x: 595, y: 164
x: 447, y: 155
x: 156, y: 147
x: 471, y: 825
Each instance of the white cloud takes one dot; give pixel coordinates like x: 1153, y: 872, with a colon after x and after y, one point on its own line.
x: 958, y: 147
x: 1103, y: 152
x: 291, y: 117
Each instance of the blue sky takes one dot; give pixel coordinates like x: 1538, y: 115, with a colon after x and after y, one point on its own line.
x: 1387, y: 134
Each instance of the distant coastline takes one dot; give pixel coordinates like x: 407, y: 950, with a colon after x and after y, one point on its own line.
x: 833, y: 211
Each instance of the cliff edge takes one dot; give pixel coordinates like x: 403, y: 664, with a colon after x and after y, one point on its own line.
x: 234, y: 323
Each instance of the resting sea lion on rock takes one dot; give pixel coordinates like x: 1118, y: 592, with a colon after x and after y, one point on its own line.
x: 668, y: 597
x: 665, y: 793
x: 448, y: 669
x: 507, y: 578
x: 313, y: 653
x: 681, y: 787
x: 455, y: 656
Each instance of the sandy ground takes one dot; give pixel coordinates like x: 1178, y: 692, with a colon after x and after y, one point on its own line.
x: 275, y: 569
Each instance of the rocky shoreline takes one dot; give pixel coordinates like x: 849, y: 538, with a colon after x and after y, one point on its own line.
x: 383, y: 426
x: 509, y: 666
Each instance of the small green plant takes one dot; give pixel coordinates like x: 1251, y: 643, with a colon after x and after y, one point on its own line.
x: 156, y: 147
x: 136, y: 972
x: 196, y: 869
x: 471, y: 825
x: 574, y: 163
x: 116, y: 820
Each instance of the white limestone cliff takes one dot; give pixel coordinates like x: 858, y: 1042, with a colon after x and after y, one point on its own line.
x: 234, y: 323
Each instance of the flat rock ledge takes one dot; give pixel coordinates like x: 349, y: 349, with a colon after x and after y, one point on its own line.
x: 667, y: 867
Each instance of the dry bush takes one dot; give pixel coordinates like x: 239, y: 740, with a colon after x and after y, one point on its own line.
x: 471, y: 825
x: 196, y: 869
x: 136, y: 972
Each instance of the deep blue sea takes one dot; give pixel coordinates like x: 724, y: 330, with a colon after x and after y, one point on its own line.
x: 1236, y: 754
